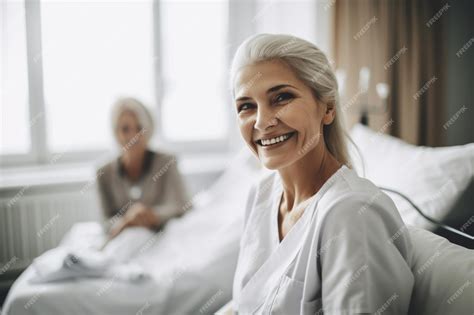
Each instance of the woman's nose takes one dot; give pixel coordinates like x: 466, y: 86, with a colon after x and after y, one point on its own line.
x: 265, y: 118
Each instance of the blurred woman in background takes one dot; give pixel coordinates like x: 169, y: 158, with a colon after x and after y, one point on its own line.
x: 141, y: 187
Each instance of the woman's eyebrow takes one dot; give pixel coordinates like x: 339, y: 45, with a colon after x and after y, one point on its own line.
x: 270, y: 90
x: 278, y: 87
x: 242, y: 98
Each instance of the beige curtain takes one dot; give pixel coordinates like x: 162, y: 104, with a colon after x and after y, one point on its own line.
x: 392, y: 38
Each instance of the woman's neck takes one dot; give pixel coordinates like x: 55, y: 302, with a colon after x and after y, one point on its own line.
x: 305, y: 177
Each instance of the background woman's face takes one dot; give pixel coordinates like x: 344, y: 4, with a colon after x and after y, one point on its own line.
x: 129, y: 132
x: 272, y: 103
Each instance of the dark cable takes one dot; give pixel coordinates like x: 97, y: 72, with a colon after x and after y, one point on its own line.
x: 437, y: 223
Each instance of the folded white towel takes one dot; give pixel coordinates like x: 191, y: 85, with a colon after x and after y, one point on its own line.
x: 63, y: 263
x: 80, y: 256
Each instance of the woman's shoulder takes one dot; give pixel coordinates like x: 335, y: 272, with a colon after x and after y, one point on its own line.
x: 159, y: 164
x: 353, y: 196
x: 358, y: 208
x: 162, y: 160
x: 156, y: 160
x: 107, y: 168
x: 348, y: 185
x: 349, y: 181
x: 162, y: 157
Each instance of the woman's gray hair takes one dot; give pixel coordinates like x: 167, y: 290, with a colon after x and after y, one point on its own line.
x: 133, y: 105
x: 311, y: 65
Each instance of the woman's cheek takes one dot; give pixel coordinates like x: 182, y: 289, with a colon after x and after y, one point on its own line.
x: 302, y: 119
x: 247, y: 133
x: 293, y: 117
x: 242, y: 128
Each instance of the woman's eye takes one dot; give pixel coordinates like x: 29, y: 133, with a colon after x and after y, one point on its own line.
x: 244, y: 106
x: 284, y: 97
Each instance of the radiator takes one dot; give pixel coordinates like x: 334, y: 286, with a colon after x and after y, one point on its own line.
x: 35, y: 220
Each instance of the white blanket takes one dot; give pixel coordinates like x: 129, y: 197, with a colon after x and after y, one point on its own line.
x: 191, y: 263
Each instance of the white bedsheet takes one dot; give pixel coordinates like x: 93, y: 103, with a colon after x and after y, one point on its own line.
x: 191, y: 262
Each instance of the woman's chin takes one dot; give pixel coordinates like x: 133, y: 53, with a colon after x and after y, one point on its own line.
x: 273, y: 163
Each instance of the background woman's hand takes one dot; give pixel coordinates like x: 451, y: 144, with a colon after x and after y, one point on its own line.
x: 141, y: 215
x: 138, y: 215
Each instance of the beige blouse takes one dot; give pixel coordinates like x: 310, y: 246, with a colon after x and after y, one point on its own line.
x: 160, y: 187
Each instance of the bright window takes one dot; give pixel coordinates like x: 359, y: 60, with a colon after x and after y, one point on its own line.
x: 93, y: 52
x: 193, y: 46
x: 84, y: 54
x: 14, y: 120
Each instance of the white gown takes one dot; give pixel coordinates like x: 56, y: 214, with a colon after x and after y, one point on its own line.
x: 349, y: 253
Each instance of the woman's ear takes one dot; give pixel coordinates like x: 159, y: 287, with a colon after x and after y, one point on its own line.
x: 329, y: 114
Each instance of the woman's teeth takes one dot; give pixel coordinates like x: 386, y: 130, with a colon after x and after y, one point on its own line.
x: 267, y: 142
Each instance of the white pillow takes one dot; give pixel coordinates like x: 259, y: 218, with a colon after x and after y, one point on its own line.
x: 444, y: 275
x: 433, y: 178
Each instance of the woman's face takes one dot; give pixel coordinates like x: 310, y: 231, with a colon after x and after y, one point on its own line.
x: 278, y: 115
x: 130, y: 134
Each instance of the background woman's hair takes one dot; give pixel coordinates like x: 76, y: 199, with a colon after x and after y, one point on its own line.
x: 133, y: 105
x: 312, y: 66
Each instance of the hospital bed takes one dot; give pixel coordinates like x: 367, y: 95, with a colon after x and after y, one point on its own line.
x: 192, y: 261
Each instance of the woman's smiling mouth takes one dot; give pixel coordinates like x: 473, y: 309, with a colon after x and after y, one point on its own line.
x: 270, y: 142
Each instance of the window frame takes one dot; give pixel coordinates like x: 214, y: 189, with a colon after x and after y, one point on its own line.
x: 40, y: 154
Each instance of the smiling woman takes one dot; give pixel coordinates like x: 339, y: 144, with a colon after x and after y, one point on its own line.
x: 306, y: 248
x: 314, y: 85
